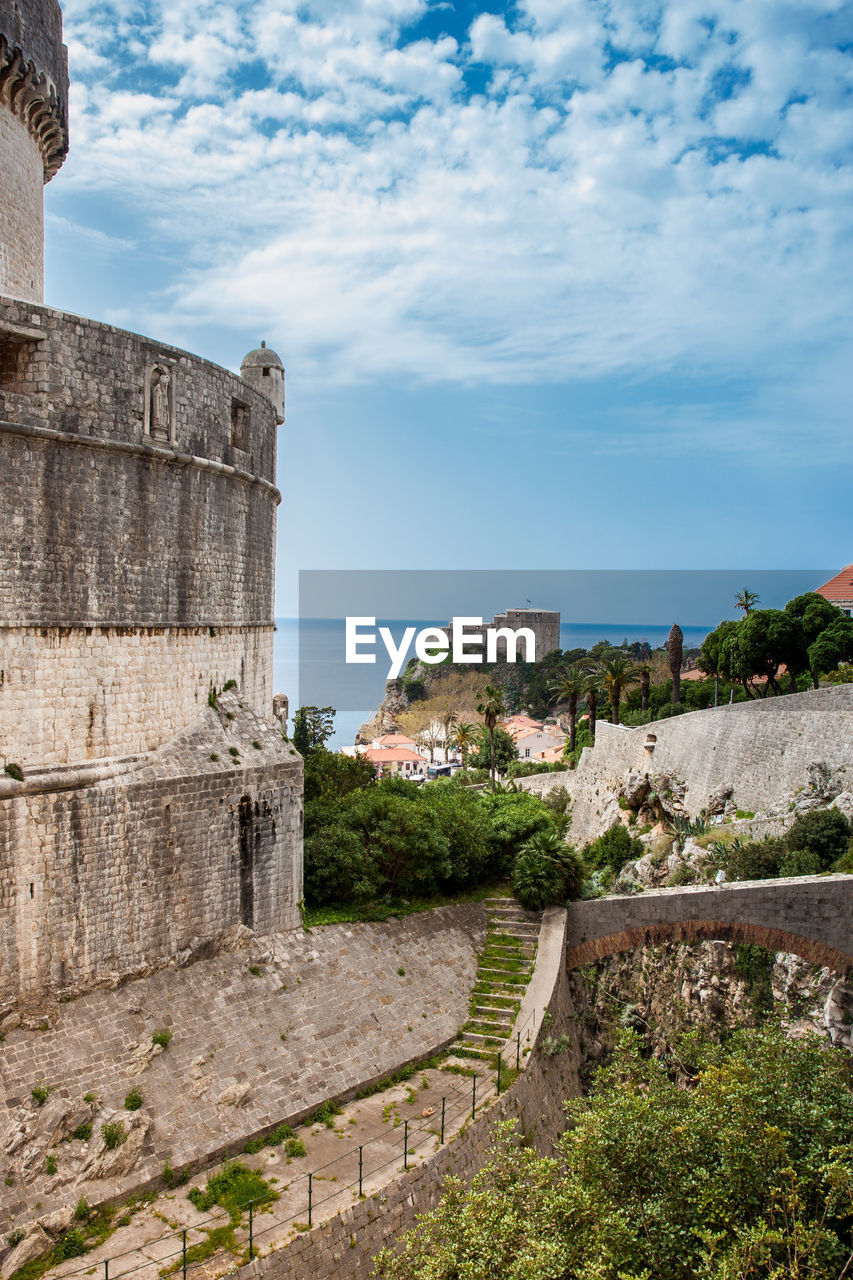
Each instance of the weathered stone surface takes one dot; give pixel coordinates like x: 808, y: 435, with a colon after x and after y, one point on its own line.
x: 765, y: 756
x: 328, y: 1013
x: 34, y: 1244
x: 809, y: 915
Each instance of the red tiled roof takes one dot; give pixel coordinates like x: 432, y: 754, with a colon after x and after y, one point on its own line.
x: 386, y: 755
x: 840, y: 587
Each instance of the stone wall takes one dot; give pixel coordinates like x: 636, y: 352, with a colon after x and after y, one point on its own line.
x: 110, y: 523
x: 265, y: 1031
x: 136, y: 572
x: 101, y: 881
x: 344, y: 1248
x: 809, y: 915
x: 758, y: 753
x: 83, y: 693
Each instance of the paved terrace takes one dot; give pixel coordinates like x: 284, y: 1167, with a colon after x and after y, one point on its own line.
x: 811, y: 916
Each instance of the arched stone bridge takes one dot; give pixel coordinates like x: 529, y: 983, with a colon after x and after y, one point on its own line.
x: 811, y: 916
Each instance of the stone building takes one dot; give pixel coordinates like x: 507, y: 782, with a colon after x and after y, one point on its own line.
x: 148, y: 801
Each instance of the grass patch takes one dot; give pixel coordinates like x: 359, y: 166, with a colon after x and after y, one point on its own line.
x: 233, y: 1188
x: 162, y: 1037
x: 350, y: 913
x: 325, y: 1115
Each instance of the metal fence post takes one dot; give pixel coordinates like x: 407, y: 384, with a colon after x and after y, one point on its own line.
x: 441, y: 1139
x: 310, y: 1195
x: 474, y: 1098
x: 106, y: 1269
x: 518, y: 1052
x: 360, y: 1168
x: 499, y: 1075
x: 184, y: 1253
x: 251, y: 1232
x: 405, y: 1144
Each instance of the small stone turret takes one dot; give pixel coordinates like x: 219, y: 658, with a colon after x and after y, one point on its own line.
x: 263, y: 370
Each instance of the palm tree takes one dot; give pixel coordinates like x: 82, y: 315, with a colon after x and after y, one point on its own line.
x: 464, y: 739
x: 745, y: 600
x: 675, y: 645
x: 645, y: 686
x: 491, y: 708
x: 619, y: 673
x: 569, y: 688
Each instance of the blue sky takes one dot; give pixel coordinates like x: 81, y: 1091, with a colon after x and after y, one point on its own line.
x: 558, y: 284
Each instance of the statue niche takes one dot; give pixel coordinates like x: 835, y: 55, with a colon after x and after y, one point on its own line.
x: 160, y: 403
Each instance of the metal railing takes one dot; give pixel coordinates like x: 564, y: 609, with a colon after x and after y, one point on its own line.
x: 454, y: 1104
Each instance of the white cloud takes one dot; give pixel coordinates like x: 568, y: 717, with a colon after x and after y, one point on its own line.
x: 580, y: 215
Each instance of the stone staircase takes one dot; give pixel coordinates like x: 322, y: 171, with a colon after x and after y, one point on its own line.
x: 502, y: 976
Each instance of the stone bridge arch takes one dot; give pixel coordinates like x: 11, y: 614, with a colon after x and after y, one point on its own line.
x: 811, y: 916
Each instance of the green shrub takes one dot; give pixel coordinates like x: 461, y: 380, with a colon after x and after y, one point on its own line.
x: 295, y: 1148
x: 845, y: 862
x: 681, y: 875
x: 541, y: 870
x: 83, y: 1132
x: 278, y: 1135
x: 613, y: 849
x: 162, y: 1037
x: 752, y: 859
x: 823, y: 832
x: 71, y: 1244
x: 114, y: 1134
x: 133, y: 1101
x: 50, y: 1165
x: 799, y: 862
x: 14, y: 771
x: 40, y: 1093
x: 82, y: 1210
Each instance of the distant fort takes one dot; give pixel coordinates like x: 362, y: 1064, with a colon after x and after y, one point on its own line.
x: 544, y: 623
x: 148, y: 801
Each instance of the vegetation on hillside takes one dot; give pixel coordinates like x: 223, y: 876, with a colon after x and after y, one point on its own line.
x: 727, y: 1161
x: 370, y: 840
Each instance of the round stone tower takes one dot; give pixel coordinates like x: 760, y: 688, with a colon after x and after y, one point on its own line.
x: 148, y: 800
x: 33, y: 136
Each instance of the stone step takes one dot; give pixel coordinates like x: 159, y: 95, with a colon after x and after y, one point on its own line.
x: 477, y: 1039
x: 495, y: 1014
x: 523, y: 977
x: 509, y: 989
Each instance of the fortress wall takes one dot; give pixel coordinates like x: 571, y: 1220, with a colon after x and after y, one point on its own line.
x: 136, y: 559
x: 344, y: 1247
x: 76, y: 694
x: 21, y: 210
x: 328, y: 1014
x: 111, y: 523
x: 100, y: 882
x: 762, y: 750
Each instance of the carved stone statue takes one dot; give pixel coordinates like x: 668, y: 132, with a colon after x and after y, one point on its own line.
x: 161, y: 404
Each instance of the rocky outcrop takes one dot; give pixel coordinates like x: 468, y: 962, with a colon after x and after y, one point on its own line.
x: 665, y: 990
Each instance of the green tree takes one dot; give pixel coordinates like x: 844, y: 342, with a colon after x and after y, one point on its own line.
x: 464, y: 738
x: 728, y: 1161
x: 499, y: 742
x: 645, y: 686
x: 675, y: 648
x: 569, y: 688
x: 491, y: 707
x: 312, y: 727
x: 592, y: 693
x: 619, y: 673
x: 833, y: 646
x: 331, y: 773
